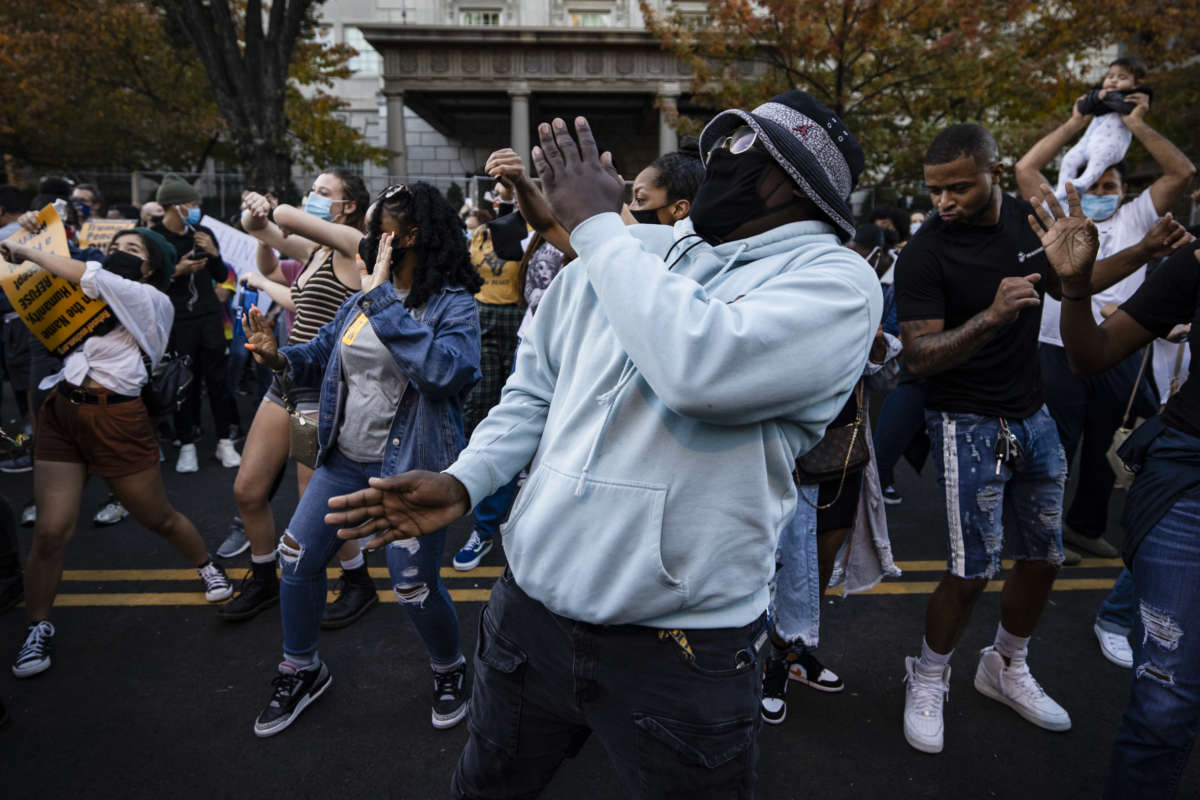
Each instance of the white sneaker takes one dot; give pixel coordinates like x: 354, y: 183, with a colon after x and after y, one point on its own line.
x: 1115, y: 647
x: 187, y: 459
x: 227, y: 454
x: 34, y: 655
x: 923, y: 701
x: 216, y: 585
x: 1014, y: 685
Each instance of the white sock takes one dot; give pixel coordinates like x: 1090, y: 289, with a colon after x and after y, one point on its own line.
x: 932, y: 662
x: 301, y: 663
x: 269, y: 558
x: 458, y: 662
x: 355, y: 562
x: 1010, y: 646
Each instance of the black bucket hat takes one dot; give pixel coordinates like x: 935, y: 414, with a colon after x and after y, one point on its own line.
x: 809, y: 141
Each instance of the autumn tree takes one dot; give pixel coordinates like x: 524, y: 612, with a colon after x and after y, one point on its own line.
x: 899, y: 70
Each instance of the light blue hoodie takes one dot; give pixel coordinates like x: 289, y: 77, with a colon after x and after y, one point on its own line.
x: 662, y: 410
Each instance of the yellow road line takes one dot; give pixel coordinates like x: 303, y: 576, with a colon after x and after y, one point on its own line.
x: 939, y: 566
x: 86, y: 600
x: 190, y: 574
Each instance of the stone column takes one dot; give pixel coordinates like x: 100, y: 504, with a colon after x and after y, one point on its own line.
x: 518, y: 135
x: 668, y: 96
x: 398, y: 167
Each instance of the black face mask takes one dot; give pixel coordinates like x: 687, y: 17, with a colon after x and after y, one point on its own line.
x: 368, y: 251
x: 648, y: 216
x: 125, y: 265
x: 157, y: 220
x: 729, y: 195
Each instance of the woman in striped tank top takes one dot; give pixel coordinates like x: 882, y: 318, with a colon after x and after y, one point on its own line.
x: 323, y: 236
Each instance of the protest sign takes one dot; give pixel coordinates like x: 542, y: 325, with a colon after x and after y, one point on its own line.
x: 237, y: 249
x: 98, y: 233
x: 57, y: 311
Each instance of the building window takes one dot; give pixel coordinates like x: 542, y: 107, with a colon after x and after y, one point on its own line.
x: 368, y: 62
x: 588, y: 19
x: 479, y: 16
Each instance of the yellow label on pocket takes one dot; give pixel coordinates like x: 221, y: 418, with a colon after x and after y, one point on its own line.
x: 352, y: 330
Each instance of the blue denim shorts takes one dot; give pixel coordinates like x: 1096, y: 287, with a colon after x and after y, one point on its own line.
x: 963, y: 446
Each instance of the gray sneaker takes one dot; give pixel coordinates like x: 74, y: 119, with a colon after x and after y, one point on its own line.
x: 236, y: 542
x: 110, y: 513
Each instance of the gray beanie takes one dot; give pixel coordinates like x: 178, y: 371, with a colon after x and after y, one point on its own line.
x: 174, y: 191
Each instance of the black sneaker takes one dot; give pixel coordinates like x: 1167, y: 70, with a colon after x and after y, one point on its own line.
x: 449, y: 697
x: 891, y: 497
x: 774, y: 696
x: 804, y: 667
x: 356, y: 594
x: 258, y: 592
x: 12, y: 593
x: 291, y: 693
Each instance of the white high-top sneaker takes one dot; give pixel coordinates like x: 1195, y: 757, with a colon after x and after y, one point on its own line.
x: 228, y: 454
x: 923, y: 701
x: 1014, y: 685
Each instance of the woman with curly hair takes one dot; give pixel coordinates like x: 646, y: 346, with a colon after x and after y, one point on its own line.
x: 393, y: 367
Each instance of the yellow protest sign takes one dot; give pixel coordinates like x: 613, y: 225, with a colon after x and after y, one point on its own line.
x: 57, y: 311
x: 99, y: 232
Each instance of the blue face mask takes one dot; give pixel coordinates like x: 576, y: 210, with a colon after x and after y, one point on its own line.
x: 193, y: 215
x: 1099, y: 206
x: 319, y: 206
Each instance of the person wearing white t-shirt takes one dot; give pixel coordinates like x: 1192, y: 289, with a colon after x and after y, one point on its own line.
x: 1088, y: 410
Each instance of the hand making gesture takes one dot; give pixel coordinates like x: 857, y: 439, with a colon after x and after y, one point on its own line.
x: 260, y: 340
x: 579, y: 181
x: 1070, y: 240
x: 399, y: 507
x: 383, y: 265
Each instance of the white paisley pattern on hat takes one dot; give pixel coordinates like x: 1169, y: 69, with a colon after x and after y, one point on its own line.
x: 816, y: 139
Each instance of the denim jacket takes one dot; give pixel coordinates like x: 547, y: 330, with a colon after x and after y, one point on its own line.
x: 439, y: 354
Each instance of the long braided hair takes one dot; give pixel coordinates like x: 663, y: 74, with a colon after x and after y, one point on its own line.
x: 441, y: 247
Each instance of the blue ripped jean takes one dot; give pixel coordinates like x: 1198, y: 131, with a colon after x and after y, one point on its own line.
x: 975, y: 492
x: 414, y: 566
x: 1116, y: 612
x: 1158, y: 728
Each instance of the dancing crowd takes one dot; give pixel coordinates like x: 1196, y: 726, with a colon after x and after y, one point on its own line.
x: 657, y: 396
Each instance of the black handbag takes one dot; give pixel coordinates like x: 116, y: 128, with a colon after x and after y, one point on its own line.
x: 842, y: 450
x: 169, y: 383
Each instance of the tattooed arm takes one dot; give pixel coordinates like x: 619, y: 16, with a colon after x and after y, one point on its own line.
x: 929, y: 348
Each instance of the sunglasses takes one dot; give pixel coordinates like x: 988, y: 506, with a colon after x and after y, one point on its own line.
x: 395, y: 189
x: 741, y: 140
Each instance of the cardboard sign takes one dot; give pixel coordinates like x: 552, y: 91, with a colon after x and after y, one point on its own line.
x: 98, y: 233
x: 55, y: 310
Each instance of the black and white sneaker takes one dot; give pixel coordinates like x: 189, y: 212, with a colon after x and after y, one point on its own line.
x: 891, y: 497
x: 216, y: 584
x: 774, y: 696
x: 291, y: 693
x: 449, y: 697
x: 34, y: 655
x: 804, y: 667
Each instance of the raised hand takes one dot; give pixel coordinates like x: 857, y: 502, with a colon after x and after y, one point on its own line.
x: 579, y: 182
x: 1070, y: 240
x: 383, y: 265
x: 399, y: 507
x: 505, y: 165
x: 260, y: 340
x: 1141, y: 106
x: 13, y: 253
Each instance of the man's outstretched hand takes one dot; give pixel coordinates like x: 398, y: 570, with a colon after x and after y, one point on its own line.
x: 1071, y: 240
x: 579, y: 181
x: 399, y: 507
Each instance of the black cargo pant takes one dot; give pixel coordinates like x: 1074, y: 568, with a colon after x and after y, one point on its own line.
x: 676, y: 711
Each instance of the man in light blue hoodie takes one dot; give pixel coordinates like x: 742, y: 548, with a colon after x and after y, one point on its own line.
x: 669, y: 381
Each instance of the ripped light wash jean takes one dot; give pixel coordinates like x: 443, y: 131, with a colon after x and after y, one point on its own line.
x: 1158, y: 728
x: 976, y: 492
x: 414, y: 566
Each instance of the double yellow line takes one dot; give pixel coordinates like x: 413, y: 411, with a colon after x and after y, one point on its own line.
x: 1065, y: 583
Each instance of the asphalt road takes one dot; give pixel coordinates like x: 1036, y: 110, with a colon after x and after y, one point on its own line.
x: 151, y: 695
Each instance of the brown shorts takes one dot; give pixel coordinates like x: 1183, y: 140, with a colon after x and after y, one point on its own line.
x: 112, y: 440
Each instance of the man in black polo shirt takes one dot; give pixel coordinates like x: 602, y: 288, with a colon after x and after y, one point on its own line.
x: 968, y: 292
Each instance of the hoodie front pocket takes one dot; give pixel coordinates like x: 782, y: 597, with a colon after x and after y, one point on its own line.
x: 597, y: 556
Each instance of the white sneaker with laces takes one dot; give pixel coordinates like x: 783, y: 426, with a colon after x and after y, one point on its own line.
x: 1115, y: 647
x: 227, y: 454
x: 923, y: 701
x: 216, y: 585
x: 187, y: 459
x: 112, y: 513
x: 1014, y: 685
x: 34, y: 655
